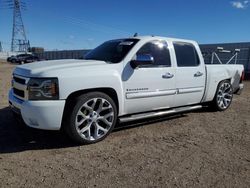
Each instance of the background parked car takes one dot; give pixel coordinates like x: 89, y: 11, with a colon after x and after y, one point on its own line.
x: 23, y: 58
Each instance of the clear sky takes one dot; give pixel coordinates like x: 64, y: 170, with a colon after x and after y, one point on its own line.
x: 79, y: 24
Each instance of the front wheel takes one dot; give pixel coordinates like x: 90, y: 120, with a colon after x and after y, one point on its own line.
x: 224, y: 96
x: 92, y: 118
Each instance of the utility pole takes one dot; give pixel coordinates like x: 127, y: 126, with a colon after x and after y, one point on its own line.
x: 19, y: 40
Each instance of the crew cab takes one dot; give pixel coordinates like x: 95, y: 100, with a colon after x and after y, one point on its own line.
x: 121, y: 80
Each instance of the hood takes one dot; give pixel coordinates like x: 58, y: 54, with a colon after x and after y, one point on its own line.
x: 42, y: 68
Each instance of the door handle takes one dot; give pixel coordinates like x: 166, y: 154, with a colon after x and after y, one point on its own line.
x: 198, y: 74
x: 167, y: 75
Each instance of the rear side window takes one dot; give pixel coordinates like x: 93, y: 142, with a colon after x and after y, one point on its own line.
x: 186, y: 55
x: 159, y: 51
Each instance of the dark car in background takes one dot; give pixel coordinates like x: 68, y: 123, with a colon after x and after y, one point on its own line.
x: 23, y: 58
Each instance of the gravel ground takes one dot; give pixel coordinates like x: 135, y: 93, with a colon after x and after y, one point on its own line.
x: 198, y: 149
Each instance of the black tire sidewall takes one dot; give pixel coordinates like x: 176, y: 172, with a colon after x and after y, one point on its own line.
x: 79, y: 101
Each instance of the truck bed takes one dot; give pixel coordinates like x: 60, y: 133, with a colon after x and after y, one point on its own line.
x: 215, y: 73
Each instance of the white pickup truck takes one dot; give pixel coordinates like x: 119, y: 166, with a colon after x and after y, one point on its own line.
x: 121, y: 80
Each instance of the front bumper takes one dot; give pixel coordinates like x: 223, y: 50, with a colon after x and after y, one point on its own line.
x: 45, y: 115
x: 240, y: 89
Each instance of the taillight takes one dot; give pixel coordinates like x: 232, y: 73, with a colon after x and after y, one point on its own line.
x: 242, y: 76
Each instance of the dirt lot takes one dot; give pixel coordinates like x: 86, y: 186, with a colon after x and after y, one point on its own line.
x: 199, y: 149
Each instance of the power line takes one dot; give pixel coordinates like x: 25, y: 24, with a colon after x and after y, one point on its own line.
x: 93, y: 26
x: 10, y: 4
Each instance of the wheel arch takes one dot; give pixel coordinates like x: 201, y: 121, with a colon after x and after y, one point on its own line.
x: 227, y: 79
x: 107, y: 90
x: 68, y: 124
x: 214, y: 104
x: 212, y: 84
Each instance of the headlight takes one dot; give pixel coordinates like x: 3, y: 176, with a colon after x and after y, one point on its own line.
x: 43, y: 89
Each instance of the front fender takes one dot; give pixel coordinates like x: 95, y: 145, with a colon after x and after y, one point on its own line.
x: 91, y: 80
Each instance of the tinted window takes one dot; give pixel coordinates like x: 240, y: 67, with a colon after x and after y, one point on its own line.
x: 21, y: 55
x: 159, y: 51
x: 186, y: 55
x: 112, y: 51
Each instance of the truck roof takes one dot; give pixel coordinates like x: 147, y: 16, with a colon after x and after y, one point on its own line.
x: 148, y: 37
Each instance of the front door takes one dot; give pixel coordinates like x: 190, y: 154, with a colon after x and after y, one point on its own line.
x: 150, y: 87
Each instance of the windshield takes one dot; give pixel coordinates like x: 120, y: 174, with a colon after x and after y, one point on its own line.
x: 112, y: 51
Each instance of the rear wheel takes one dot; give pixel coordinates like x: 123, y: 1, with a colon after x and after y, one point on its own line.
x: 224, y: 96
x: 92, y: 118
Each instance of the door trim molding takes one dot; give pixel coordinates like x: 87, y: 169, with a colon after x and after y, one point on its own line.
x: 136, y: 95
x: 189, y: 90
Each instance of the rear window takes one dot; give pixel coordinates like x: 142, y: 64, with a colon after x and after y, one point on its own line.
x: 186, y: 55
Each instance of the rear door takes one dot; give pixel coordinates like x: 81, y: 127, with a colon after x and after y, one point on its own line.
x: 190, y: 74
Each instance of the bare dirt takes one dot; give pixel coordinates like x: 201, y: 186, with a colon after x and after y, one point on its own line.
x: 198, y: 149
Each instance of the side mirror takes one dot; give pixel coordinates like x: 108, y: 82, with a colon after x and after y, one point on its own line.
x: 144, y: 59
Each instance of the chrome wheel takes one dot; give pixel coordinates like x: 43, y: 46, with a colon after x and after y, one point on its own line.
x: 224, y: 95
x: 94, y: 119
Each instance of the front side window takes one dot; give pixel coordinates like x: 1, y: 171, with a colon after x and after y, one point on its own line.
x: 186, y: 55
x: 158, y: 50
x: 112, y: 51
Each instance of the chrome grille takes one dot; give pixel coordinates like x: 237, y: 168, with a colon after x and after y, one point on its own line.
x: 19, y: 85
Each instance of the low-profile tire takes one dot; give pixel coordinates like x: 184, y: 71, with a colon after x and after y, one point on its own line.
x: 223, y: 96
x: 91, y: 118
